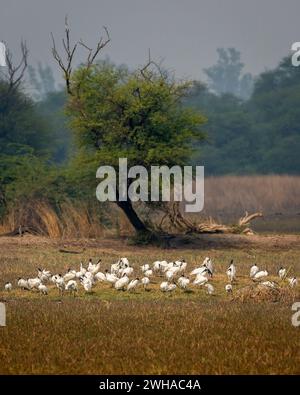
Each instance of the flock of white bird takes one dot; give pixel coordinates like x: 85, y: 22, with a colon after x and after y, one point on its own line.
x: 122, y: 277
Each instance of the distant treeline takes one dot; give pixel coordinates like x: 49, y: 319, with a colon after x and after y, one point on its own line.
x: 253, y: 124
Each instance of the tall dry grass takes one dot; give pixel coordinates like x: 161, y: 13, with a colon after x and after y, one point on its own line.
x: 232, y: 195
x: 226, y: 199
x: 71, y: 220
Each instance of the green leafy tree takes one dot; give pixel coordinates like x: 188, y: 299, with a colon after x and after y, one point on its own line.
x: 139, y: 116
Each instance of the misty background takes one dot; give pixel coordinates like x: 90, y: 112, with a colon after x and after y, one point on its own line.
x: 236, y: 55
x: 185, y: 34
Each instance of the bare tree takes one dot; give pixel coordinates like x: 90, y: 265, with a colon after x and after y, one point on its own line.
x: 15, y: 73
x: 65, y: 61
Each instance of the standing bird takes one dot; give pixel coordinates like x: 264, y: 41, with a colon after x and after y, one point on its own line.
x: 148, y: 273
x: 209, y: 289
x: 183, y: 282
x: 170, y: 274
x: 209, y: 264
x: 253, y: 270
x: 167, y: 287
x: 23, y: 284
x: 44, y: 275
x: 282, y: 273
x: 122, y: 283
x: 60, y: 284
x: 133, y: 284
x: 228, y: 288
x: 110, y: 277
x: 100, y: 277
x: 94, y: 268
x: 34, y: 282
x: 8, y: 287
x: 71, y: 286
x: 200, y: 280
x: 127, y: 271
x: 145, y: 267
x: 231, y: 272
x: 292, y: 282
x: 81, y: 272
x: 70, y: 275
x: 202, y: 270
x: 145, y: 282
x: 260, y: 274
x: 89, y: 276
x: 182, y: 264
x: 43, y: 289
x: 87, y: 284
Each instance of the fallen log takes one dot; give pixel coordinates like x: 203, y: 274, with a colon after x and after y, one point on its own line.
x: 64, y: 251
x: 182, y: 223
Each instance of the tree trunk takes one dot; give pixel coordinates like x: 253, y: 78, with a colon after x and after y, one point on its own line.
x: 132, y: 216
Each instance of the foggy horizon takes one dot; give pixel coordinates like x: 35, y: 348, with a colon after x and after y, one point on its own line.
x: 186, y: 39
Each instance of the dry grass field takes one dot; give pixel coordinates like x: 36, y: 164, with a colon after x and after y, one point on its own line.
x: 118, y: 332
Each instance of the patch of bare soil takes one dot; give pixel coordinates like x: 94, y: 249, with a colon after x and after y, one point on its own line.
x: 205, y: 241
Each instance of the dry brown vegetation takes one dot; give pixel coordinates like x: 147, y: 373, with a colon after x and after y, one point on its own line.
x: 232, y: 195
x: 226, y: 200
x: 147, y: 332
x: 79, y: 220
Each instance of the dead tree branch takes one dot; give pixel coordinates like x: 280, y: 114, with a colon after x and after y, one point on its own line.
x: 65, y: 61
x: 93, y: 53
x: 182, y: 223
x: 15, y: 73
x: 146, y: 71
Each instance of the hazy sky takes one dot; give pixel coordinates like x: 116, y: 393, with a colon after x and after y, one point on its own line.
x: 186, y: 33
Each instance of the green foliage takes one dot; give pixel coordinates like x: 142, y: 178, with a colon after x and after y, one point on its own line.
x: 20, y: 124
x: 261, y: 135
x: 121, y: 114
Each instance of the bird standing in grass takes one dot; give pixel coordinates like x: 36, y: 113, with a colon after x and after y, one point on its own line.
x: 23, y: 284
x: 209, y: 289
x: 87, y: 284
x: 8, y: 287
x: 122, y: 283
x: 165, y: 286
x: 260, y: 274
x: 145, y: 282
x: 44, y: 275
x: 282, y: 273
x: 209, y: 264
x: 100, y: 277
x: 60, y: 284
x: 43, y: 289
x: 34, y: 283
x: 183, y: 282
x: 110, y: 277
x: 231, y: 271
x: 228, y: 288
x: 71, y: 286
x: 145, y: 267
x: 253, y: 270
x: 293, y: 282
x: 133, y: 284
x: 148, y: 273
x: 94, y: 268
x: 70, y: 275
